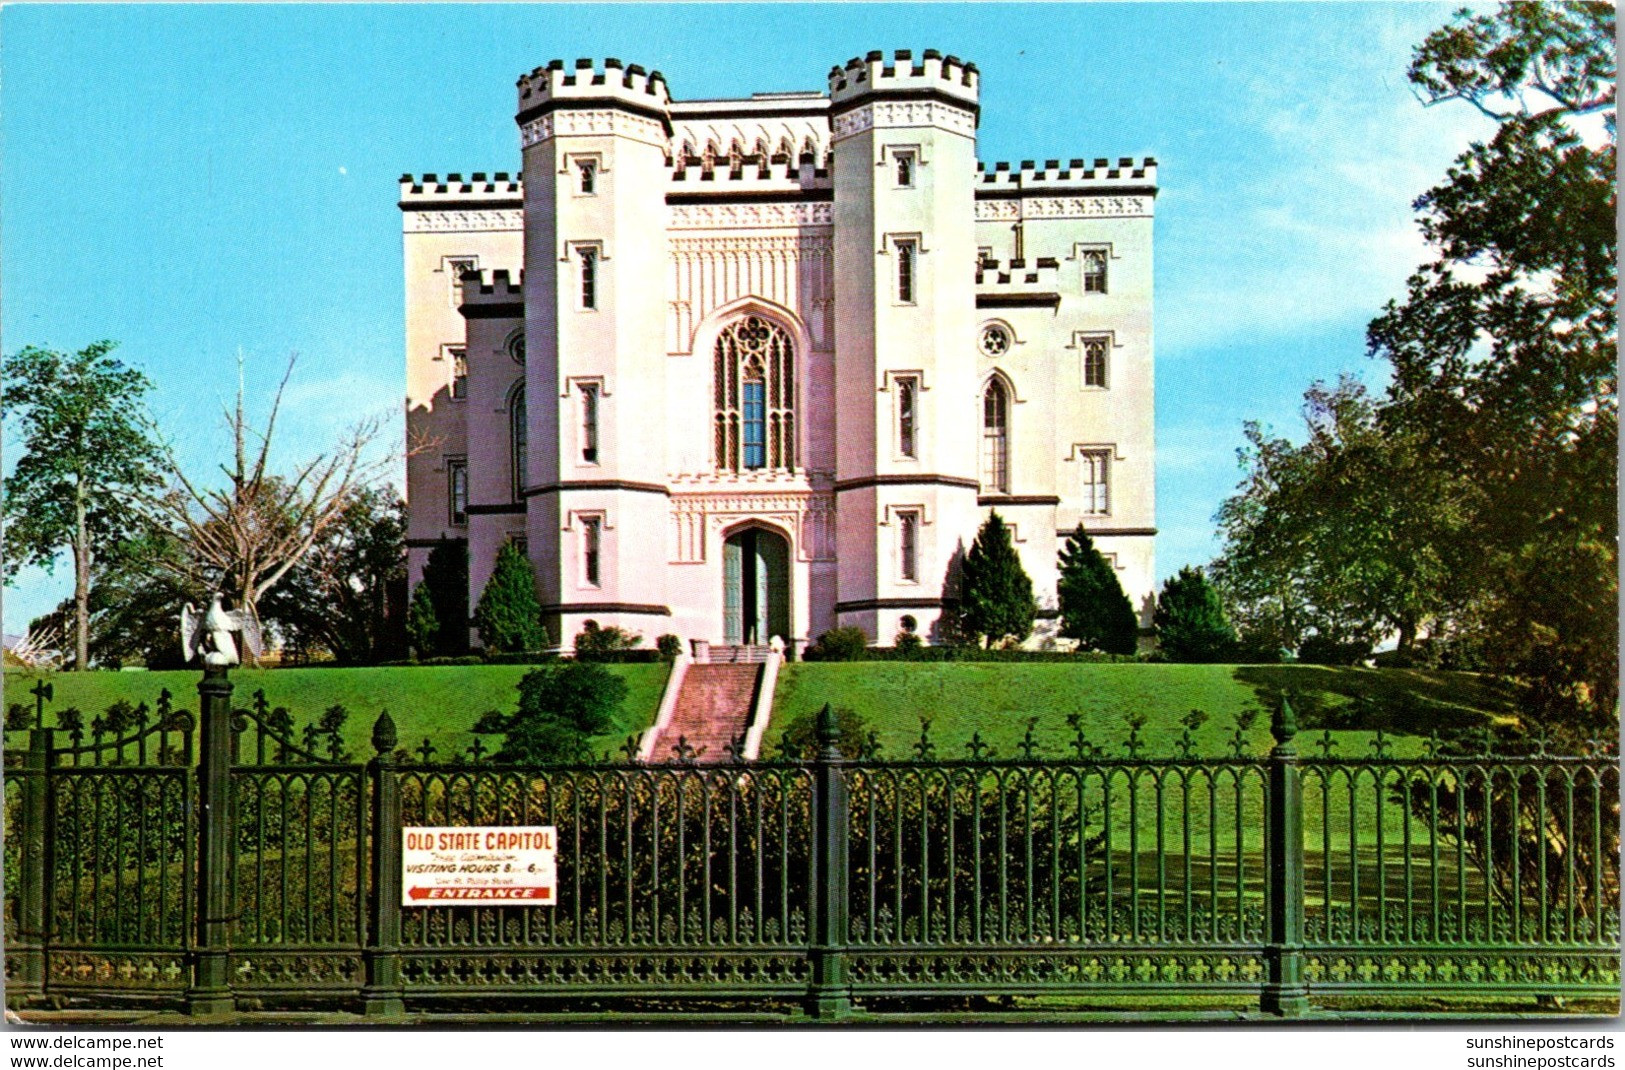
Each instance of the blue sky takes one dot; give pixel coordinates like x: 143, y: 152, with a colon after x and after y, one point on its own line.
x: 193, y: 180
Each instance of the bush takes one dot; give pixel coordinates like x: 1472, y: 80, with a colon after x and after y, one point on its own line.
x: 604, y: 644
x: 509, y: 615
x: 1191, y: 626
x: 561, y: 707
x: 422, y: 625
x: 669, y: 647
x: 800, y: 738
x: 995, y: 592
x: 1324, y: 650
x: 839, y: 644
x: 906, y: 642
x: 1094, y: 610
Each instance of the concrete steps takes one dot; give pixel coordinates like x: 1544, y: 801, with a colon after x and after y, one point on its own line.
x: 713, y: 711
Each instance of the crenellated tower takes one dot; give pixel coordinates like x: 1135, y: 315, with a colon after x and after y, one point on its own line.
x: 595, y: 144
x: 904, y: 139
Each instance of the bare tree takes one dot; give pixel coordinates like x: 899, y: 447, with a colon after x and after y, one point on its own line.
x: 244, y: 536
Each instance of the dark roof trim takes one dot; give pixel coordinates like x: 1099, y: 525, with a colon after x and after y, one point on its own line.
x: 569, y: 103
x: 810, y: 109
x: 906, y: 481
x: 1018, y: 499
x: 458, y: 204
x: 1064, y: 191
x: 596, y: 484
x: 1092, y: 532
x: 905, y: 93
x: 1032, y: 300
x: 503, y: 310
x: 727, y: 196
x: 888, y: 603
x: 608, y: 607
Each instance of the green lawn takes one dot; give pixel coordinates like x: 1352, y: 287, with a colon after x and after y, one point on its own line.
x: 998, y: 700
x: 437, y: 702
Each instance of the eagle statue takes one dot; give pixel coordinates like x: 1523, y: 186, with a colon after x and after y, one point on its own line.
x: 209, y: 634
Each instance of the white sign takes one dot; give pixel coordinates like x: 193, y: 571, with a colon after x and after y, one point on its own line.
x: 485, y: 865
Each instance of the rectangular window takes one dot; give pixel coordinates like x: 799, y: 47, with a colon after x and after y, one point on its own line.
x: 587, y: 172
x: 1094, y: 361
x: 456, y: 267
x: 908, y: 388
x: 591, y: 546
x: 457, y: 489
x: 907, y: 254
x: 589, y: 278
x: 1093, y: 483
x: 905, y: 169
x: 1094, y: 271
x: 908, y: 547
x: 755, y: 424
x: 459, y: 373
x: 589, y: 423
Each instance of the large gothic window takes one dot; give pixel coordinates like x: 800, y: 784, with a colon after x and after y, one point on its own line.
x: 996, y: 439
x: 754, y: 424
x: 518, y: 435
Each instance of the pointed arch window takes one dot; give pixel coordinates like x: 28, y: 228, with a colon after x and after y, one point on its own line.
x: 996, y: 438
x: 518, y: 436
x: 754, y: 419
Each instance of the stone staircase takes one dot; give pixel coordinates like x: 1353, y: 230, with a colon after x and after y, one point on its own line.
x: 713, y: 711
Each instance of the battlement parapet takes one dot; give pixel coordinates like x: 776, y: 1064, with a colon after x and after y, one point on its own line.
x: 490, y: 289
x: 933, y: 74
x: 629, y: 84
x: 1076, y: 174
x: 748, y: 174
x: 430, y: 187
x: 1020, y: 275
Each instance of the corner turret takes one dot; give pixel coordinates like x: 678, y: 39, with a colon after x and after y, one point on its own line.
x: 555, y: 86
x: 934, y: 75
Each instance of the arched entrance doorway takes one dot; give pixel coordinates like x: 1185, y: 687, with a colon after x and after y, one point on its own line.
x: 755, y: 586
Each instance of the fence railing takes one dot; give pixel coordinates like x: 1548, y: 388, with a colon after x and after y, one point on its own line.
x: 268, y: 872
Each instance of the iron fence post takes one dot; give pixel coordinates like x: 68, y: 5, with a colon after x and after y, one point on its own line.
x: 210, y: 990
x: 1285, y: 993
x: 32, y: 934
x: 382, y: 996
x: 831, y: 998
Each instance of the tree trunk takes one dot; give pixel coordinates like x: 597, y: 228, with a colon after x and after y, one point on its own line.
x: 81, y: 582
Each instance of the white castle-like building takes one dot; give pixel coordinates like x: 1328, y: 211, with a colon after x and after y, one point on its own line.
x: 757, y: 368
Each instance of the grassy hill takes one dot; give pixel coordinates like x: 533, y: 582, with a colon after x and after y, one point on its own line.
x: 437, y: 702
x: 998, y: 701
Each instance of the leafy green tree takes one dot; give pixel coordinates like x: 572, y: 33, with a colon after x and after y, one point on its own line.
x: 995, y: 594
x: 345, y: 594
x: 604, y: 644
x: 1094, y: 609
x: 87, y: 457
x: 1345, y: 538
x: 422, y: 626
x: 1190, y: 620
x: 1504, y: 347
x: 561, y: 708
x: 509, y: 614
x: 446, y: 575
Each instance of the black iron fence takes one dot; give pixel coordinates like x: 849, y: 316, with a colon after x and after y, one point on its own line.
x: 264, y: 869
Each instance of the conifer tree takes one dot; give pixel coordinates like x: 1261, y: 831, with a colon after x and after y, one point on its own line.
x: 995, y: 594
x: 1191, y: 624
x: 446, y: 576
x: 422, y: 625
x: 1094, y: 609
x: 509, y: 615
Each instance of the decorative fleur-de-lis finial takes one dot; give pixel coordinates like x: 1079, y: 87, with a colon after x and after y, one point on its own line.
x: 1136, y: 721
x: 1542, y: 740
x: 1485, y: 741
x: 1326, y: 743
x: 261, y: 704
x: 1238, y: 742
x: 476, y: 749
x: 630, y: 749
x: 735, y: 748
x: 1185, y: 744
x: 1379, y: 745
x: 869, y: 746
x: 165, y: 701
x: 924, y: 749
x: 977, y: 748
x: 1085, y: 750
x: 426, y: 750
x: 1028, y: 745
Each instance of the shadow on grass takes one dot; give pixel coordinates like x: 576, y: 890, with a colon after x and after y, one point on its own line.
x: 1402, y: 701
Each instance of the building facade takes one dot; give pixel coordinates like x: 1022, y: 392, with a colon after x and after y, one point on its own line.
x: 738, y: 369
